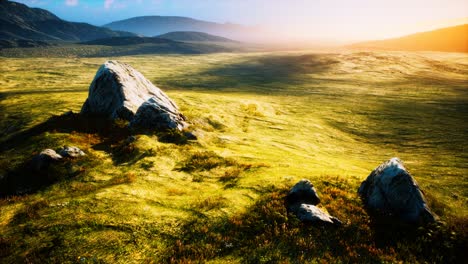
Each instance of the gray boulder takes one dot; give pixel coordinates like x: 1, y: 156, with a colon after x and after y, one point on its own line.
x: 72, y: 152
x: 153, y: 114
x: 301, y: 201
x: 302, y: 193
x: 312, y: 214
x: 391, y: 190
x: 118, y: 91
x: 42, y: 161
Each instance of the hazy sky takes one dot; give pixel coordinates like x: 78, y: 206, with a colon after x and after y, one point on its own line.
x: 300, y: 19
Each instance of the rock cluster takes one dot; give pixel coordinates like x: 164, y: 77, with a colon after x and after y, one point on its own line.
x: 389, y: 193
x: 390, y: 190
x: 38, y: 171
x: 43, y: 160
x: 118, y: 91
x: 301, y: 201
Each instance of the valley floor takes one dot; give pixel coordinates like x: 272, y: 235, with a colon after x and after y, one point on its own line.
x: 263, y: 121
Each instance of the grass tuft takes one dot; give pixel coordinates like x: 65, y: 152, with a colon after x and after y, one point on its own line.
x: 203, y: 161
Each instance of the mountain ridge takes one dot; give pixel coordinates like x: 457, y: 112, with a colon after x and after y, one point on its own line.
x: 159, y: 25
x: 193, y: 36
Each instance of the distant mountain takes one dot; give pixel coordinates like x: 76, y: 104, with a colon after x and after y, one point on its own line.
x: 451, y: 39
x: 124, y: 41
x: 18, y: 21
x: 158, y: 25
x: 193, y: 36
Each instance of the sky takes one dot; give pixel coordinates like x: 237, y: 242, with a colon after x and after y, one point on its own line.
x: 333, y: 20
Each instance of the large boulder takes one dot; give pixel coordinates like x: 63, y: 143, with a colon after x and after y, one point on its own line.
x: 391, y: 190
x: 118, y: 91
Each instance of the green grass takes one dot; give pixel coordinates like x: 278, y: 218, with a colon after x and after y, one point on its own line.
x: 263, y: 121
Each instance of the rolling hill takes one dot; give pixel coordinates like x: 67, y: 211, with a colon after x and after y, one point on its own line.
x: 158, y: 25
x: 18, y: 21
x: 110, y: 47
x: 193, y: 36
x: 450, y: 39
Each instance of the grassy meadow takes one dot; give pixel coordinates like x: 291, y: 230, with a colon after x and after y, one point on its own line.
x: 263, y: 122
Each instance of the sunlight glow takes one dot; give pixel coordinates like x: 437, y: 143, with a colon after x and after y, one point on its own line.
x: 305, y: 20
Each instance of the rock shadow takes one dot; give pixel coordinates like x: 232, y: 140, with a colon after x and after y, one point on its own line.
x: 263, y: 75
x: 24, y: 179
x: 71, y: 122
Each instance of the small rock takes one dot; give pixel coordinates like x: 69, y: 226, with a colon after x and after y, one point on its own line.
x: 72, y: 152
x: 312, y: 214
x: 301, y: 201
x: 391, y: 190
x: 153, y: 114
x: 303, y: 192
x: 43, y: 160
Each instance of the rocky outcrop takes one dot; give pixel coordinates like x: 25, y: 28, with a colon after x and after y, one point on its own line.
x: 71, y: 152
x: 301, y: 201
x: 118, y: 91
x: 391, y: 190
x: 42, y: 161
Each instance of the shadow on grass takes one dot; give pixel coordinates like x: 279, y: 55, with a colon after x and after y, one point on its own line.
x: 273, y: 74
x: 101, y: 133
x: 23, y: 179
x: 265, y: 233
x: 408, y: 124
x: 71, y: 122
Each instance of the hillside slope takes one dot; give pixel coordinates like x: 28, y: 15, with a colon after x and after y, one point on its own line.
x: 18, y: 21
x: 451, y: 39
x: 123, y: 41
x: 193, y: 36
